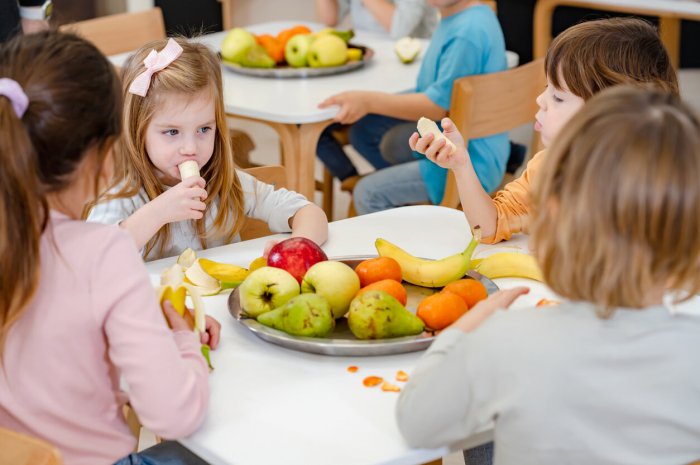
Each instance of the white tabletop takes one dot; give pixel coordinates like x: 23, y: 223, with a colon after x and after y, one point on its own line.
x: 274, y: 405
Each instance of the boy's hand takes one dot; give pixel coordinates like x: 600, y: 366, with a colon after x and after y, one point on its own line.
x: 184, y: 201
x: 353, y: 106
x: 438, y: 151
x: 484, y: 309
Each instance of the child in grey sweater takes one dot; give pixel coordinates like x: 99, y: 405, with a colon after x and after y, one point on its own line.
x: 611, y: 376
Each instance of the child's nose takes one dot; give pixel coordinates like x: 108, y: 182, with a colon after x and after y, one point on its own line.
x: 188, y: 147
x: 540, y: 100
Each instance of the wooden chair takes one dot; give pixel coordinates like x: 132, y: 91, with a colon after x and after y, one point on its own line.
x: 489, y: 104
x: 272, y: 174
x: 20, y: 449
x: 121, y: 32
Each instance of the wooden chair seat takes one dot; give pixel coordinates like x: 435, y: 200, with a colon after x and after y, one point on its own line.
x: 21, y: 449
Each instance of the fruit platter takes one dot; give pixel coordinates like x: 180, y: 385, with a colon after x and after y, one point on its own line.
x: 341, y: 341
x: 296, y: 52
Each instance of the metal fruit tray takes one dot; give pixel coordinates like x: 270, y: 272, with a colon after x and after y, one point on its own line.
x: 287, y: 72
x: 342, y: 342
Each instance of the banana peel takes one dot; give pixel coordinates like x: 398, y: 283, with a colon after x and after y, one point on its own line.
x: 174, y: 288
x: 228, y: 276
x: 430, y: 273
x: 508, y: 265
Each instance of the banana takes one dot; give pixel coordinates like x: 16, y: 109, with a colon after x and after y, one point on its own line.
x: 228, y: 275
x: 430, y: 273
x: 508, y: 265
x: 188, y: 169
x: 427, y: 126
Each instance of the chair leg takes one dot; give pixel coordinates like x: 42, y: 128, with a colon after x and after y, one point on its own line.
x: 327, y: 190
x: 242, y: 145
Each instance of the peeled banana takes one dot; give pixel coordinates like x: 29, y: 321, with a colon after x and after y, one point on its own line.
x: 508, y: 265
x: 430, y: 273
x: 427, y: 126
x: 188, y: 169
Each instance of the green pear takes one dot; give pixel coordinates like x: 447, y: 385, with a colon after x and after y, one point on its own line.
x: 378, y: 315
x: 305, y: 315
x: 236, y: 44
x: 257, y: 57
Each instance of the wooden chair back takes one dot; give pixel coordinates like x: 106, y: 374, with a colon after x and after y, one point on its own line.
x: 122, y: 32
x: 272, y: 174
x: 488, y: 104
x: 20, y: 449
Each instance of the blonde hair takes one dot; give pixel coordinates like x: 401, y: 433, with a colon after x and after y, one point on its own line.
x: 196, y: 70
x: 617, y: 206
x: 595, y: 55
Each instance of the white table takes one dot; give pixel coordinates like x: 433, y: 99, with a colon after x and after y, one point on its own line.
x: 669, y: 12
x: 271, y: 405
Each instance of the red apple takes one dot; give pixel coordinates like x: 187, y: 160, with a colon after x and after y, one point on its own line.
x: 296, y: 255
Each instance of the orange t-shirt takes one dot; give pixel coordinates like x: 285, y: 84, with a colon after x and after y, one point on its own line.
x: 513, y: 203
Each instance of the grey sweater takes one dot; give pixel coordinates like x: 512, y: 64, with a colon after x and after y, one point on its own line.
x: 563, y: 387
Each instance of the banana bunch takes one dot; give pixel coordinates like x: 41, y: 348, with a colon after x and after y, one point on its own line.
x: 508, y: 265
x: 430, y: 273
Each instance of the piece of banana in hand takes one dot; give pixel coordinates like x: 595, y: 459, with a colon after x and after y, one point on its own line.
x: 188, y: 169
x: 427, y: 126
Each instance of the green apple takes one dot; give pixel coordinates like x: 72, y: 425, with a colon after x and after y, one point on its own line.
x: 266, y: 289
x: 297, y: 49
x: 237, y: 44
x: 327, y: 50
x: 335, y: 281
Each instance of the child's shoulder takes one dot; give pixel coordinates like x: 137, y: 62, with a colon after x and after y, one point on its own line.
x: 80, y: 238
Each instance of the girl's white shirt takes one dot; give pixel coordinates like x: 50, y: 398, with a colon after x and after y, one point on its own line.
x: 262, y: 202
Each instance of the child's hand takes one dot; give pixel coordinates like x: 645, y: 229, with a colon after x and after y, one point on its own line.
x: 484, y: 309
x: 438, y: 151
x: 212, y: 332
x: 353, y: 106
x: 184, y: 201
x: 176, y: 321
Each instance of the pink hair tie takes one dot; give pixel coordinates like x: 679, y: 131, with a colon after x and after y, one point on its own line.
x: 154, y: 62
x: 14, y: 93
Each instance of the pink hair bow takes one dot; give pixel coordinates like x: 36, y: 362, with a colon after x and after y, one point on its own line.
x: 154, y: 62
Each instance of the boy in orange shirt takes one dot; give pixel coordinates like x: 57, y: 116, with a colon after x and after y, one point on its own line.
x: 615, y: 51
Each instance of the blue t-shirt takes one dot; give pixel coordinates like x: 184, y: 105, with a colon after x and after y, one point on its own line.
x: 466, y: 43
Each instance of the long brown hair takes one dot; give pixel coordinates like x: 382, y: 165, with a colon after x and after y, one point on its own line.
x: 595, y: 55
x: 617, y: 206
x: 196, y: 70
x: 63, y: 77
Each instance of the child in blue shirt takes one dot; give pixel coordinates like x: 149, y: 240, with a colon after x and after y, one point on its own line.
x: 467, y: 41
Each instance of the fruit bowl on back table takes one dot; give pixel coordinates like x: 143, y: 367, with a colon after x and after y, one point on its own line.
x: 286, y: 71
x: 341, y: 341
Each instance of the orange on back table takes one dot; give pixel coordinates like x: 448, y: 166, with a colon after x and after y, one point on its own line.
x: 470, y: 290
x: 376, y: 269
x: 438, y: 311
x: 391, y: 287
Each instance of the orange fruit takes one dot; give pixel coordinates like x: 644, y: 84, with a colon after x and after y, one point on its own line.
x: 377, y: 269
x: 391, y: 287
x: 287, y: 34
x: 470, y: 290
x: 441, y: 310
x: 272, y: 47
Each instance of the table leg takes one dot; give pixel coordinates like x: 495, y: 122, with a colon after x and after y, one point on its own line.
x: 434, y: 462
x: 298, y: 143
x: 670, y: 33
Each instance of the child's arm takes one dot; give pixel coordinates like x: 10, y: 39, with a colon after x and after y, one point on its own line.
x: 356, y: 104
x: 327, y: 11
x: 478, y: 206
x: 383, y: 11
x: 310, y: 222
x: 184, y: 201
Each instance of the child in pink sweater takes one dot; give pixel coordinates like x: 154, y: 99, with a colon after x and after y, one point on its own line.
x: 78, y: 314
